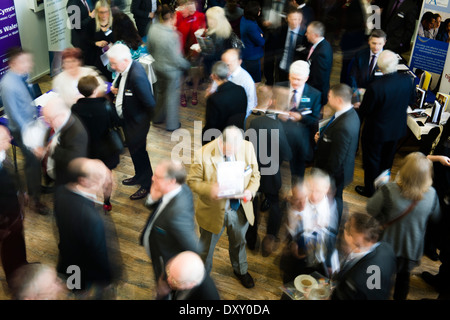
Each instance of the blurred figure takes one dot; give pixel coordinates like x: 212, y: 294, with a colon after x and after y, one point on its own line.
x: 79, y: 33
x: 170, y: 229
x: 253, y: 39
x: 188, y: 21
x: 37, y: 281
x: 12, y: 240
x: 21, y: 111
x: 82, y: 236
x: 337, y: 142
x: 363, y: 252
x: 98, y: 117
x: 169, y: 65
x: 234, y: 13
x: 135, y: 106
x: 69, y: 141
x: 426, y: 25
x: 313, y: 225
x: 272, y: 148
x: 383, y: 112
x: 226, y: 106
x: 125, y: 32
x: 444, y: 31
x: 304, y: 108
x: 320, y: 58
x: 404, y: 207
x: 186, y: 279
x: 66, y: 83
x: 99, y: 37
x: 144, y: 11
x: 213, y: 213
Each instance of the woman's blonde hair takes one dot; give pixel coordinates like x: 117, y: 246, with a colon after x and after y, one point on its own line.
x: 98, y: 5
x: 218, y: 23
x: 415, y: 176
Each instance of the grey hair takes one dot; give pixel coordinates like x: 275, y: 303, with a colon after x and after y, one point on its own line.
x: 120, y: 52
x: 387, y: 62
x: 221, y: 70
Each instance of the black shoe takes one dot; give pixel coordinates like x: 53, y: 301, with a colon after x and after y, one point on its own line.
x: 130, y: 181
x: 140, y: 194
x: 430, y: 279
x: 362, y: 191
x: 246, y: 280
x: 41, y: 208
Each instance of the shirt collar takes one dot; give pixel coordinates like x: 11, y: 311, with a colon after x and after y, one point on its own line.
x: 317, y: 43
x: 171, y: 194
x: 236, y: 72
x: 125, y: 72
x: 341, y: 112
x: 296, y: 30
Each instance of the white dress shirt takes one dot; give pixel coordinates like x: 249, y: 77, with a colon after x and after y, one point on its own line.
x: 286, y: 47
x: 119, y: 98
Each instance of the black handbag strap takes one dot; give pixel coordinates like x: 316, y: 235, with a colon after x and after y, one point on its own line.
x: 404, y: 214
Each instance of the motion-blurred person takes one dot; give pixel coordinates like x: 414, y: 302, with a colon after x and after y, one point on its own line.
x: 234, y: 13
x: 135, y: 106
x: 304, y: 107
x: 213, y: 213
x: 69, y: 141
x: 404, y: 207
x: 365, y: 252
x: 313, y: 225
x: 226, y: 106
x: 98, y: 117
x: 169, y: 65
x: 253, y: 39
x: 337, y: 142
x: 170, y: 229
x: 186, y: 279
x: 383, y: 112
x: 188, y: 21
x: 272, y: 148
x: 86, y: 14
x: 12, y: 240
x: 125, y: 32
x: 66, y: 82
x: 144, y: 11
x: 21, y: 111
x: 82, y: 236
x: 37, y: 281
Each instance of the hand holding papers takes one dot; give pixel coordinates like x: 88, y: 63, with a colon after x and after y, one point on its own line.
x: 230, y: 178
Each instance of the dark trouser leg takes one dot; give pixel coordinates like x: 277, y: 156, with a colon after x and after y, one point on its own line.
x: 252, y: 233
x: 13, y: 250
x: 371, y: 163
x: 402, y: 279
x: 275, y: 215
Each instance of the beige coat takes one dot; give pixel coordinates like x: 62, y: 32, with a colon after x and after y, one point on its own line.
x: 202, y: 176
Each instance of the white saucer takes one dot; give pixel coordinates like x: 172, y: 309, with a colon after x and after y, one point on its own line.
x: 298, y: 282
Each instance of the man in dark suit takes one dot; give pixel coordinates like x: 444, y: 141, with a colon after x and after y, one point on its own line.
x: 272, y: 148
x: 82, y: 236
x: 320, y: 58
x: 143, y: 13
x: 398, y: 20
x: 69, y: 141
x: 337, y: 141
x: 226, y: 106
x: 283, y: 46
x: 369, y: 269
x: 383, y: 111
x: 304, y: 112
x: 364, y: 65
x: 170, y: 229
x: 135, y: 105
x: 80, y: 14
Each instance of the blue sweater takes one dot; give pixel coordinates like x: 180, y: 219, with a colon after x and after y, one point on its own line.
x: 252, y: 39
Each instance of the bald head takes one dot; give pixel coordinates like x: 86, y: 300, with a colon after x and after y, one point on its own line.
x: 232, y: 58
x: 185, y: 271
x: 89, y: 173
x: 55, y: 112
x: 231, y: 140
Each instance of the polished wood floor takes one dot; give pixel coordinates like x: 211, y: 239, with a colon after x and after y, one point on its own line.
x: 128, y: 218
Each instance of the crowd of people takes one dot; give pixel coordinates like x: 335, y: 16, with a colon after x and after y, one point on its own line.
x: 268, y: 101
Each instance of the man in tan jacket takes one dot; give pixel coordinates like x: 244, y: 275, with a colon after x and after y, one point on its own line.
x: 214, y: 213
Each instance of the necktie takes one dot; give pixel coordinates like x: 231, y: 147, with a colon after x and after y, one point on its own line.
x: 294, y: 100
x: 86, y: 5
x: 326, y: 126
x: 234, y: 203
x: 394, y: 8
x: 290, y: 50
x: 310, y: 52
x: 371, y: 65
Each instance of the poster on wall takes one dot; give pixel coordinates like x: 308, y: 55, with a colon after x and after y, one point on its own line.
x: 58, y: 35
x: 9, y: 32
x: 431, y: 43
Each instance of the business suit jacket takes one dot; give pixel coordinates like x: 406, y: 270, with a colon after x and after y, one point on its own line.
x: 352, y: 282
x: 173, y: 230
x: 384, y: 107
x: 73, y: 143
x: 399, y: 26
x: 270, y: 183
x: 359, y: 75
x: 141, y: 10
x: 78, y: 33
x: 82, y: 237
x: 321, y: 62
x: 336, y: 148
x: 223, y: 106
x: 202, y: 176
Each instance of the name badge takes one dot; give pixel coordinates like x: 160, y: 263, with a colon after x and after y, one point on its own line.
x: 108, y: 32
x: 378, y: 74
x: 305, y: 99
x: 248, y: 170
x: 128, y: 93
x: 401, y: 15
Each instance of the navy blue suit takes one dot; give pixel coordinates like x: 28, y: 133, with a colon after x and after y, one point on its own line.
x: 359, y: 76
x: 321, y: 62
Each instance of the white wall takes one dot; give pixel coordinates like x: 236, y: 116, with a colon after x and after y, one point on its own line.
x: 33, y: 36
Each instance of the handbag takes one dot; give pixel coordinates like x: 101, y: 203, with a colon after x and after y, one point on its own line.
x: 114, y: 140
x: 236, y: 42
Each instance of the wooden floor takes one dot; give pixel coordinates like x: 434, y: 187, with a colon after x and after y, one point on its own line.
x: 128, y: 217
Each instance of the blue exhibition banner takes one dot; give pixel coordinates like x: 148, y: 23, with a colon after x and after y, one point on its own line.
x: 429, y: 55
x: 9, y: 32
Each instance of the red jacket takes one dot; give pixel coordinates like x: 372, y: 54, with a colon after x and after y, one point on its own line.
x: 187, y: 26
